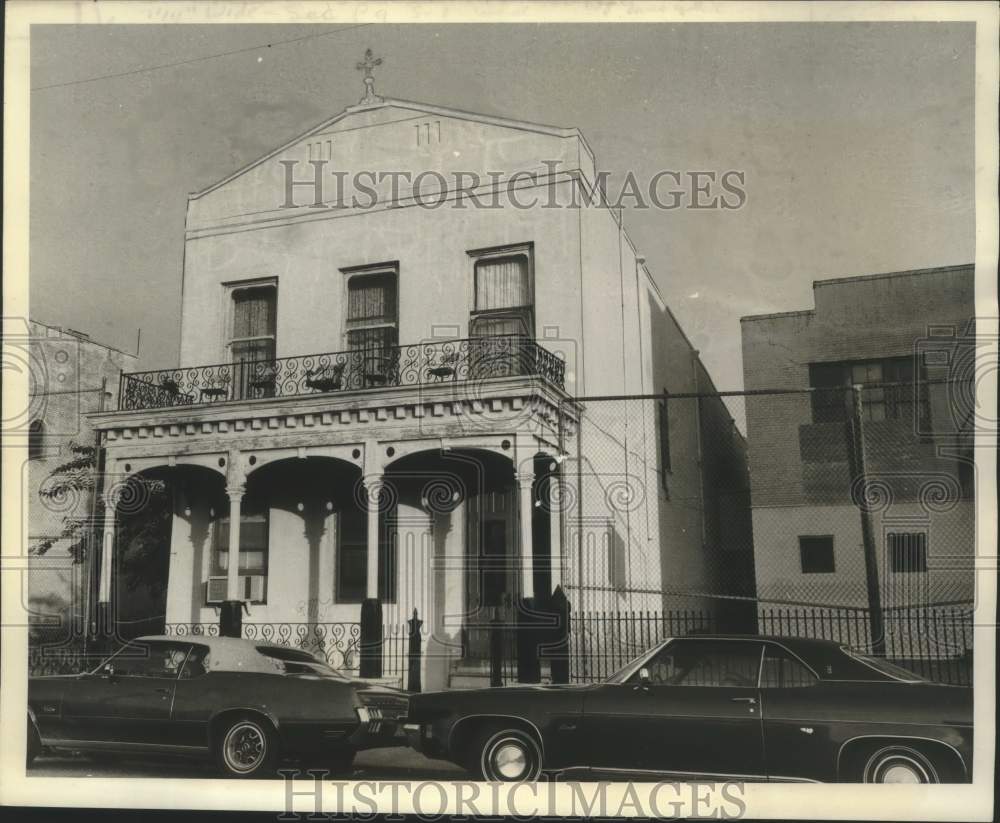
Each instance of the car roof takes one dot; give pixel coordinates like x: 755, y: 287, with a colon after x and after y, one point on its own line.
x: 814, y: 652
x: 826, y: 658
x: 212, y: 641
x: 226, y: 653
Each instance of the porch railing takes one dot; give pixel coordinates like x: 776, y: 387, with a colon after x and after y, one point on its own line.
x: 338, y: 643
x: 429, y: 363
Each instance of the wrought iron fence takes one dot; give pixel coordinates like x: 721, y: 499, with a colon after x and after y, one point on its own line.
x: 337, y: 643
x: 428, y: 363
x: 66, y: 658
x: 933, y: 642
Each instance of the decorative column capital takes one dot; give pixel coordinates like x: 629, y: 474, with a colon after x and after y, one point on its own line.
x: 373, y: 483
x: 236, y: 492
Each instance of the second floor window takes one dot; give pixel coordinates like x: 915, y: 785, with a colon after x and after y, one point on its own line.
x: 254, y: 323
x: 373, y: 324
x: 888, y: 390
x: 504, y: 301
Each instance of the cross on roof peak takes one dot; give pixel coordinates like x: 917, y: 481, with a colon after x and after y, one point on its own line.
x: 366, y: 65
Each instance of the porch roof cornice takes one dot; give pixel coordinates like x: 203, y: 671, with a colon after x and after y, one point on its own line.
x: 362, y: 406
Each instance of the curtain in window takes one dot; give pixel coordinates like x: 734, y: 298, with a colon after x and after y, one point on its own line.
x: 371, y: 299
x: 254, y: 323
x: 502, y: 283
x: 254, y: 313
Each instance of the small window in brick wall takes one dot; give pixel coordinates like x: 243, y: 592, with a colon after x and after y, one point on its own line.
x: 816, y: 554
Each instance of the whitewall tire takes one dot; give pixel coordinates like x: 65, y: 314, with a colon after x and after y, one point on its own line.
x: 898, y: 764
x: 508, y: 756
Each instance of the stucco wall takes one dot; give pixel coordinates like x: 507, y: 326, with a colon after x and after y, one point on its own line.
x: 71, y: 377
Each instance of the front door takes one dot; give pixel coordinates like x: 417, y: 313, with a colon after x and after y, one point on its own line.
x: 698, y: 713
x: 129, y: 699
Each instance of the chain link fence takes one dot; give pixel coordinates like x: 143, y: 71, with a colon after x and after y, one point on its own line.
x: 841, y: 512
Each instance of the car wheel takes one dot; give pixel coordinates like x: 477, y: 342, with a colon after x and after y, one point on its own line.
x: 34, y: 744
x: 898, y: 764
x: 507, y: 755
x: 247, y: 747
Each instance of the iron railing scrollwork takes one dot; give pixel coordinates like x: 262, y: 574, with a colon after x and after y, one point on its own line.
x: 337, y: 643
x: 429, y: 363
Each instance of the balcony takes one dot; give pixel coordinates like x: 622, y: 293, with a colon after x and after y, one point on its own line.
x: 434, y: 363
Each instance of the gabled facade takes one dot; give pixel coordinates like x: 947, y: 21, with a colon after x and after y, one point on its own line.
x: 384, y: 385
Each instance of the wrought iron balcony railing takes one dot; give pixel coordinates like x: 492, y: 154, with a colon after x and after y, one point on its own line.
x: 430, y: 363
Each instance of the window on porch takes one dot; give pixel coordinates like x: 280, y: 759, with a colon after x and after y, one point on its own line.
x: 253, y: 553
x: 352, y: 559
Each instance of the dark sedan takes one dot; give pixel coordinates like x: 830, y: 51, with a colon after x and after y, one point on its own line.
x: 243, y: 703
x: 743, y: 708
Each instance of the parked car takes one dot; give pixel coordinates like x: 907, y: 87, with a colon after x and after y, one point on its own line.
x: 244, y: 703
x: 722, y: 707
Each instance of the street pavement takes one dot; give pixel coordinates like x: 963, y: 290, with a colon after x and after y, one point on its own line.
x: 375, y: 764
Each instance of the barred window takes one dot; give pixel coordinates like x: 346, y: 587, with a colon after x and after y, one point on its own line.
x: 889, y: 390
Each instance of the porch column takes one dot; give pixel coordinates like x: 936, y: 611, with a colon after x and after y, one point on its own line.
x: 374, y: 488
x: 103, y: 616
x: 525, y: 480
x: 231, y: 615
x: 235, y: 494
x: 371, y: 608
x: 555, y: 501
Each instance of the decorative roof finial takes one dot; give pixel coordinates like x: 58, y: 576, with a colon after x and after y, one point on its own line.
x: 366, y: 66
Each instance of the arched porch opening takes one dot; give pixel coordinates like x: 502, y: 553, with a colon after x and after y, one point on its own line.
x: 157, y: 511
x: 467, y: 502
x: 303, y: 531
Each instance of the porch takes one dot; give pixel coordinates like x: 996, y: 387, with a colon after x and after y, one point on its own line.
x: 455, y: 528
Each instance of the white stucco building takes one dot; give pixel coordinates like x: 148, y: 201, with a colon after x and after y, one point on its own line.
x: 395, y: 415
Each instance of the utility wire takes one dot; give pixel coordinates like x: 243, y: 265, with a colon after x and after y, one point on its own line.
x: 199, y: 59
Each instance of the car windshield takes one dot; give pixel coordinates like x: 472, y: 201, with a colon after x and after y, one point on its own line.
x: 883, y: 666
x: 625, y: 671
x: 296, y: 661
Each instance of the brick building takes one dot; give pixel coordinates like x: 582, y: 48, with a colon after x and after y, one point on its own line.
x: 904, y: 342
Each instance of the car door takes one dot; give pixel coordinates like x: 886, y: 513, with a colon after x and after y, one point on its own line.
x: 129, y: 698
x: 697, y: 713
x: 795, y: 707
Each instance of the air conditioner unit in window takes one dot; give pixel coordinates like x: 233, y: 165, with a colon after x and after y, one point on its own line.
x: 218, y: 588
x: 251, y: 588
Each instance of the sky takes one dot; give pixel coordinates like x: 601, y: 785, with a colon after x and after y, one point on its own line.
x: 856, y: 140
